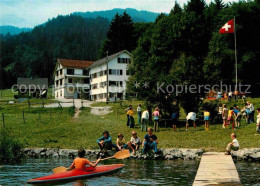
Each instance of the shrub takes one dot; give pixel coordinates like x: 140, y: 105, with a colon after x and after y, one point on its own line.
x: 10, y: 148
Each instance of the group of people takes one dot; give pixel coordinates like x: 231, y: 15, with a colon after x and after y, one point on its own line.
x: 143, y: 117
x: 228, y: 96
x: 150, y: 141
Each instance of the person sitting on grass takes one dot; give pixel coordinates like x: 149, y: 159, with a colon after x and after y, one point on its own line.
x: 105, y: 143
x: 258, y: 121
x: 150, y: 141
x: 190, y: 119
x: 134, y: 142
x: 120, y: 142
x: 234, y: 145
x: 80, y: 162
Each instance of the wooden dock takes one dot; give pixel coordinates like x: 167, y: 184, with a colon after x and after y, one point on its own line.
x: 216, y: 169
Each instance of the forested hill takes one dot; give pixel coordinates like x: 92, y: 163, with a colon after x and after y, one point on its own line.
x: 137, y: 16
x: 12, y: 30
x: 34, y: 53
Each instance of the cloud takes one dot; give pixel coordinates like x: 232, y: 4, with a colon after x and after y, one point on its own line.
x: 29, y: 13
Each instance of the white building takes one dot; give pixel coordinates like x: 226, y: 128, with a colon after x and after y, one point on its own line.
x: 116, y: 78
x: 88, y: 79
x: 72, y: 79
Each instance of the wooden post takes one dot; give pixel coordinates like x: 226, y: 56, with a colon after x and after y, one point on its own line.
x: 23, y: 118
x: 3, y: 117
x: 42, y: 103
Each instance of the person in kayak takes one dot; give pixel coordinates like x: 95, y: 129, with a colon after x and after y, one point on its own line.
x: 80, y: 162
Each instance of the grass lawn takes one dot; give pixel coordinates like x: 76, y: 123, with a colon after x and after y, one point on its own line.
x: 55, y: 127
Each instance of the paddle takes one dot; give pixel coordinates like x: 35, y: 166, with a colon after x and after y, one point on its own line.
x: 119, y: 155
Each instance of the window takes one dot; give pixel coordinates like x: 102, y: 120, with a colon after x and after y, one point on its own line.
x: 70, y: 80
x: 101, y: 73
x: 60, y: 81
x: 57, y: 73
x: 115, y: 72
x: 95, y: 86
x: 57, y: 83
x: 61, y: 93
x: 61, y: 72
x: 70, y: 71
x: 102, y: 84
x: 124, y: 60
x: 116, y: 83
x: 85, y: 72
x: 86, y: 80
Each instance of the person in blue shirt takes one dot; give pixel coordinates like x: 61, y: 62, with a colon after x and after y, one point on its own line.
x: 150, y: 141
x: 175, y: 118
x: 105, y: 142
x: 238, y: 116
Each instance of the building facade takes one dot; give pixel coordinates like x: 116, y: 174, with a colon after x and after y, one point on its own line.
x: 113, y: 71
x: 88, y: 80
x: 72, y: 79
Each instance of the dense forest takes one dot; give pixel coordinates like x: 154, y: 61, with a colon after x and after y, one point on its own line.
x: 185, y: 48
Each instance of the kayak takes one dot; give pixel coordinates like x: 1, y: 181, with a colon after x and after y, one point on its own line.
x: 77, y: 174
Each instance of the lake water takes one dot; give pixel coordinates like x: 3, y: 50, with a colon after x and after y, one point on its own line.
x: 136, y: 172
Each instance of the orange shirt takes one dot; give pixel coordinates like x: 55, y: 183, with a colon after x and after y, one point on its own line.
x: 80, y: 163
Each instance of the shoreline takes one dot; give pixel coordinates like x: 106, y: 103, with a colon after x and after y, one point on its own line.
x: 247, y: 154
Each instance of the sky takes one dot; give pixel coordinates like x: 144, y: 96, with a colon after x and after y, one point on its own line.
x: 29, y: 13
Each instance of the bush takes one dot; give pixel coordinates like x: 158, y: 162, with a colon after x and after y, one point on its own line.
x: 10, y: 148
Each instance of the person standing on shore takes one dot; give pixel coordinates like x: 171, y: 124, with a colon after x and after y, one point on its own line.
x: 139, y: 113
x: 250, y: 106
x: 145, y: 120
x: 175, y: 118
x: 258, y: 121
x: 156, y: 115
x: 206, y: 119
x: 225, y: 116
x: 190, y: 119
x: 130, y: 114
x: 127, y: 116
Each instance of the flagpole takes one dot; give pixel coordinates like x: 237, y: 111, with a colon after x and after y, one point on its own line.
x: 235, y: 49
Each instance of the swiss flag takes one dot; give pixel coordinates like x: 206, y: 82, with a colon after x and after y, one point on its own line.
x: 228, y: 27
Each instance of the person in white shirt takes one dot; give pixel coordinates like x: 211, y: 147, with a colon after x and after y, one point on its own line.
x: 230, y: 94
x: 145, y: 120
x: 234, y: 145
x: 190, y: 119
x: 139, y: 113
x: 258, y: 121
x: 134, y: 142
x: 250, y: 106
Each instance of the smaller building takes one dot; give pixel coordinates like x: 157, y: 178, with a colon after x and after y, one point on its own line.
x: 72, y: 79
x: 32, y: 87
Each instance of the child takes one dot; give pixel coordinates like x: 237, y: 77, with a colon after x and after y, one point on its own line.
x: 231, y: 118
x: 175, y: 116
x: 156, y: 115
x: 105, y: 143
x: 234, y: 145
x: 134, y: 142
x: 206, y: 119
x: 130, y: 114
x: 139, y: 113
x: 238, y: 116
x: 150, y: 141
x: 225, y: 115
x: 258, y: 121
x: 220, y: 111
x: 127, y: 116
x: 145, y: 120
x: 80, y: 162
x: 190, y: 119
x: 120, y: 142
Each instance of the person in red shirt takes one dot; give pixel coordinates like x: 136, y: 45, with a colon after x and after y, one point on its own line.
x: 80, y: 162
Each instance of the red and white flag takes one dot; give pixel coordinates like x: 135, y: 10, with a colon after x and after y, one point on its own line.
x: 228, y: 27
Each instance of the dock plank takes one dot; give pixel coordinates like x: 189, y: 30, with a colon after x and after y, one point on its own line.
x: 216, y: 169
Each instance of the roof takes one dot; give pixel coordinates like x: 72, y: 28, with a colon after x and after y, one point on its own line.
x: 29, y: 83
x: 69, y: 63
x: 109, y: 58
